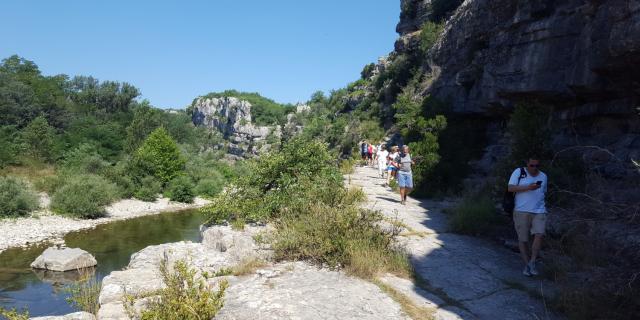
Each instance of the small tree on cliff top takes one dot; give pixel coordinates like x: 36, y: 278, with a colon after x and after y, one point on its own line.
x: 159, y: 156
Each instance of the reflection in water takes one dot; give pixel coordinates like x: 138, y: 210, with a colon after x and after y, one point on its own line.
x: 62, y: 278
x: 112, y: 244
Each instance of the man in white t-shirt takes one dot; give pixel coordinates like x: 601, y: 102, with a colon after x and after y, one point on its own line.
x: 529, y: 214
x: 381, y: 156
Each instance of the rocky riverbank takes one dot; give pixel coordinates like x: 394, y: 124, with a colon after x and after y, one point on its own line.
x: 46, y: 226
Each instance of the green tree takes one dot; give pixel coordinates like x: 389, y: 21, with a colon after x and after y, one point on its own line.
x: 145, y: 120
x: 38, y: 137
x: 159, y: 157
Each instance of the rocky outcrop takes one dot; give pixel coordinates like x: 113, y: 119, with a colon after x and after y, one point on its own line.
x: 221, y: 248
x: 64, y: 259
x: 232, y: 118
x: 576, y: 54
x: 290, y: 290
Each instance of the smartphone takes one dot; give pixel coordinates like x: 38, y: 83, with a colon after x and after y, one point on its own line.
x: 539, y: 183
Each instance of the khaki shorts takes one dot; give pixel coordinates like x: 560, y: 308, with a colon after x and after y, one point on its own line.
x: 529, y: 223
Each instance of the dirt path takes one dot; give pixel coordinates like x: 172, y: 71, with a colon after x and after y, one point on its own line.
x: 462, y: 277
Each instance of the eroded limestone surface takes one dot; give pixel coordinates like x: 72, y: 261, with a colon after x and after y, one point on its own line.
x: 463, y: 277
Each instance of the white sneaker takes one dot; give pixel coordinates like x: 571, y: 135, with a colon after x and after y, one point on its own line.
x: 526, y: 271
x: 532, y: 268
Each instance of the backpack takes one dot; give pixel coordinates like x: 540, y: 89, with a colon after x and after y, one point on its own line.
x: 509, y: 198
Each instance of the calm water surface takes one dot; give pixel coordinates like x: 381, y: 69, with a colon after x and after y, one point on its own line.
x: 112, y: 244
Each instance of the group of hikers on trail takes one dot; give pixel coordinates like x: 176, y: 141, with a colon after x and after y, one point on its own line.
x: 524, y: 198
x: 396, y: 164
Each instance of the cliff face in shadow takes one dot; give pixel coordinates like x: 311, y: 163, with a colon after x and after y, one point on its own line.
x: 579, y: 58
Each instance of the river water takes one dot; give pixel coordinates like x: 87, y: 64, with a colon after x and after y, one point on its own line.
x: 112, y: 244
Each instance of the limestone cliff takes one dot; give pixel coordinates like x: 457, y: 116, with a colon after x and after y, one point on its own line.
x: 232, y: 118
x: 580, y: 57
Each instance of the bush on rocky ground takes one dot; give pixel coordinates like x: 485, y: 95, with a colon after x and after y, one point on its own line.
x: 180, y: 189
x: 300, y: 191
x: 84, y: 196
x: 186, y: 296
x: 16, y: 198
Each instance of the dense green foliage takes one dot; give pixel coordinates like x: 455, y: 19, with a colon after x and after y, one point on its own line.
x: 181, y: 189
x: 300, y: 190
x: 55, y: 130
x: 84, y: 196
x: 264, y: 111
x: 420, y: 133
x: 159, y: 157
x: 16, y: 197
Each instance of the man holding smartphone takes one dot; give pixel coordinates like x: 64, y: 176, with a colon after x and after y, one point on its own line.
x: 530, y: 213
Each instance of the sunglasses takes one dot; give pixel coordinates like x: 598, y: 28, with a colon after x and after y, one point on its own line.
x: 534, y: 166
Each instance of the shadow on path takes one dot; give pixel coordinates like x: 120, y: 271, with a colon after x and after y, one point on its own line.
x: 461, y: 277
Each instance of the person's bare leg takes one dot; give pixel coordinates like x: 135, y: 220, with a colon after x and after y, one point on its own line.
x: 406, y: 192
x: 535, y: 248
x: 524, y: 251
x: 401, y: 194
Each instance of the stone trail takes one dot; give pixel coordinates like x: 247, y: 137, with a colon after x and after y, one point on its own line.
x: 463, y: 277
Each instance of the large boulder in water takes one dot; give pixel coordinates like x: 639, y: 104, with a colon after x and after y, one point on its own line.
x: 64, y: 259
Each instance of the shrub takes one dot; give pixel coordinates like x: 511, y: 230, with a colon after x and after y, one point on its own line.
x: 186, y: 296
x: 348, y: 237
x: 474, y: 215
x: 120, y: 176
x: 84, y: 196
x: 83, y: 159
x: 159, y: 157
x: 83, y: 295
x: 16, y: 198
x: 429, y: 35
x: 300, y: 191
x: 148, y: 189
x: 181, y: 189
x: 210, y: 186
x: 14, y: 314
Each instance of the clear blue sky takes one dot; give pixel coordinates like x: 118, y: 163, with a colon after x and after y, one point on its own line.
x: 176, y: 50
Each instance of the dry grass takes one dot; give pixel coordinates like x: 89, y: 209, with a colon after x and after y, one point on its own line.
x: 84, y: 294
x: 367, y: 261
x: 248, y: 266
x: 32, y: 172
x: 408, y: 306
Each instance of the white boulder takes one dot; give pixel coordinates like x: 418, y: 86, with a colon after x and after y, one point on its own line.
x: 64, y: 259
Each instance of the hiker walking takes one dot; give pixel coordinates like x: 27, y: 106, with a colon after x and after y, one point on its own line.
x: 381, y: 157
x: 405, y: 176
x: 363, y: 150
x: 392, y: 168
x: 529, y: 215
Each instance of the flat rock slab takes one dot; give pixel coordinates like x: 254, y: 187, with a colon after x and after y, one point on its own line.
x: 65, y: 259
x: 463, y: 277
x: 301, y: 291
x: 71, y: 316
